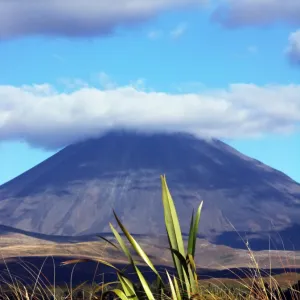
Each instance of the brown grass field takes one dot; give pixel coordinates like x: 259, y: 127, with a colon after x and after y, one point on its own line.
x: 208, y: 256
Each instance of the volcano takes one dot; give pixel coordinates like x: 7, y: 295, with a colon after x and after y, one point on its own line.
x: 74, y: 192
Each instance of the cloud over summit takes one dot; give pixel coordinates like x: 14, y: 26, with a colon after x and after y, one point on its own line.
x: 75, y: 18
x: 47, y: 118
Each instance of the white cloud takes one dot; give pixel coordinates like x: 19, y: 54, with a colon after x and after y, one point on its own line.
x: 175, y: 33
x: 237, y: 13
x: 155, y: 34
x: 72, y: 83
x: 44, y: 117
x: 178, y: 31
x: 189, y: 87
x: 75, y: 18
x: 58, y: 57
x: 252, y: 49
x: 293, y: 49
x: 106, y: 82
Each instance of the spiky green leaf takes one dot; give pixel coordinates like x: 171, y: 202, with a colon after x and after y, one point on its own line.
x: 173, y: 292
x: 120, y: 294
x: 137, y: 247
x: 128, y: 287
x: 172, y: 226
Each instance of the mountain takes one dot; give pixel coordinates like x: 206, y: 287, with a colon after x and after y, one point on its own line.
x: 74, y: 191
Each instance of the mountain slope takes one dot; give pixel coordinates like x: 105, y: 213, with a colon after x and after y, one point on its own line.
x: 74, y: 191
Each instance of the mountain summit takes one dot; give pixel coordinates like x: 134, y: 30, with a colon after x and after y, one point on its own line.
x: 74, y: 191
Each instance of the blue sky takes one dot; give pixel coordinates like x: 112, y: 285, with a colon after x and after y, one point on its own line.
x: 219, y: 68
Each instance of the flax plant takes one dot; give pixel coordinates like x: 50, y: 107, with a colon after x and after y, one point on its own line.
x: 183, y: 285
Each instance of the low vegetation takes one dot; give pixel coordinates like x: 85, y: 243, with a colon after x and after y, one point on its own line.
x: 182, y: 283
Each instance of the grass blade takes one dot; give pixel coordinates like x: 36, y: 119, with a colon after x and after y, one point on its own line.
x: 191, y: 235
x: 108, y: 241
x: 120, y: 294
x: 144, y: 283
x: 127, y: 286
x: 172, y: 226
x: 177, y: 288
x: 75, y: 261
x: 137, y: 247
x: 196, y: 229
x: 129, y: 256
x: 173, y: 292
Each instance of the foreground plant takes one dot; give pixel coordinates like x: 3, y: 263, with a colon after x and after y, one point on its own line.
x: 182, y: 286
x: 183, y: 263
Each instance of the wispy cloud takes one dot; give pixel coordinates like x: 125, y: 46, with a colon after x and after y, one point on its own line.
x: 155, y: 34
x: 72, y: 83
x: 293, y: 49
x: 106, y: 82
x: 58, y: 57
x: 252, y: 49
x: 241, y: 110
x: 175, y: 33
x: 178, y: 31
x: 190, y: 87
x: 78, y: 18
x: 238, y: 13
